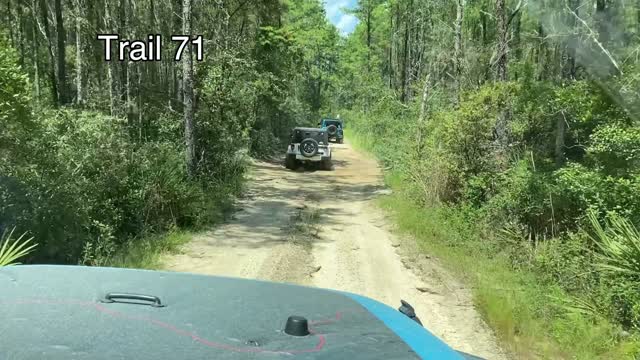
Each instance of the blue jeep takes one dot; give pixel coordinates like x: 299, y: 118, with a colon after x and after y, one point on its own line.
x: 333, y: 127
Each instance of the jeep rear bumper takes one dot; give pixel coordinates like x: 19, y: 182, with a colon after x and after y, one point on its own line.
x: 324, y: 153
x: 312, y: 158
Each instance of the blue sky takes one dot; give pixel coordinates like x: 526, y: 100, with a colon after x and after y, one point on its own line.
x: 344, y: 22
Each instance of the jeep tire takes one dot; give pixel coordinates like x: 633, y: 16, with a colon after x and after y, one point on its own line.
x: 326, y: 164
x: 308, y: 147
x: 290, y: 162
x: 332, y: 130
x: 341, y: 140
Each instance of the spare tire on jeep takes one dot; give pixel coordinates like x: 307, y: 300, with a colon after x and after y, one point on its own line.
x: 309, y: 147
x: 332, y: 130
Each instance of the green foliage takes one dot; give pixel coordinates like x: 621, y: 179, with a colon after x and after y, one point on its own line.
x: 15, y: 121
x: 13, y: 250
x: 523, y: 208
x: 89, y: 186
x: 315, y: 41
x: 102, y: 187
x: 83, y: 187
x: 146, y: 253
x: 527, y: 201
x: 616, y: 148
x: 619, y: 247
x: 568, y: 147
x: 533, y: 315
x: 589, y: 189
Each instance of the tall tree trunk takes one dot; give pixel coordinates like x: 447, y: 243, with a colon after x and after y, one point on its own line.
x: 568, y: 75
x: 125, y: 10
x: 177, y: 83
x: 541, y: 54
x: 483, y: 24
x: 97, y: 64
x: 405, y: 61
x: 139, y: 95
x: 63, y: 94
x: 368, y: 22
x: 392, y: 40
x: 34, y: 51
x: 503, y: 45
x: 398, y: 48
x: 187, y: 75
x: 560, y: 139
x: 602, y: 21
x: 457, y: 53
x: 569, y: 66
x: 517, y: 24
x: 502, y: 123
x: 52, y: 58
x: 485, y: 43
x: 21, y: 33
x: 423, y: 113
x: 111, y: 76
x: 79, y: 52
x: 607, y: 32
x: 9, y: 20
x: 153, y: 70
x: 637, y: 18
x: 425, y: 98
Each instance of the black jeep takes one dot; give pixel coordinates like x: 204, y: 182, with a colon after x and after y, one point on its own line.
x: 308, y: 145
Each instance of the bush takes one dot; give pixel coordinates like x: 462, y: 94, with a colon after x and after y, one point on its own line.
x: 15, y: 120
x: 530, y: 204
x: 523, y: 195
x: 583, y: 189
x: 92, y: 189
x: 617, y: 257
x: 264, y: 144
x: 85, y: 185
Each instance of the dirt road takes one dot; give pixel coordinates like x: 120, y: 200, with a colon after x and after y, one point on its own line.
x: 321, y: 228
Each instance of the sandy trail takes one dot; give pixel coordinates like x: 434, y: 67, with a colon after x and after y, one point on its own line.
x: 351, y: 247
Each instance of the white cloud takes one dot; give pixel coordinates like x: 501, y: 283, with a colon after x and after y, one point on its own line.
x: 334, y: 8
x: 347, y: 23
x: 344, y: 22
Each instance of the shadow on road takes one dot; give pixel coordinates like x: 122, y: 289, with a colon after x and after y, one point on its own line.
x: 267, y: 211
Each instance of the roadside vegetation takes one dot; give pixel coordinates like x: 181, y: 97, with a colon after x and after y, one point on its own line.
x: 147, y: 253
x: 111, y: 163
x: 510, y: 134
x: 12, y: 249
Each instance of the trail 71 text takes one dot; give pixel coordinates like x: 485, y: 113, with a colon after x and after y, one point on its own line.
x: 149, y: 49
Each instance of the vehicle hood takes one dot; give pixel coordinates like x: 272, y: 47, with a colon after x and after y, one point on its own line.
x: 55, y: 312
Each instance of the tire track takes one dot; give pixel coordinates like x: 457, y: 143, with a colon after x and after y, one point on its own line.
x: 321, y: 228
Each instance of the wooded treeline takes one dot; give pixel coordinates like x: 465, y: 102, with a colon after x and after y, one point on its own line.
x: 97, y: 154
x: 517, y: 121
x: 465, y: 44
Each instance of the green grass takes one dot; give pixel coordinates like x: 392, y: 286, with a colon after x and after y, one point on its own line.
x: 147, y: 253
x: 360, y: 143
x: 526, y: 313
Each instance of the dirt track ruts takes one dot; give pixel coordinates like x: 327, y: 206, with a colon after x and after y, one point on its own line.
x: 352, y: 247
